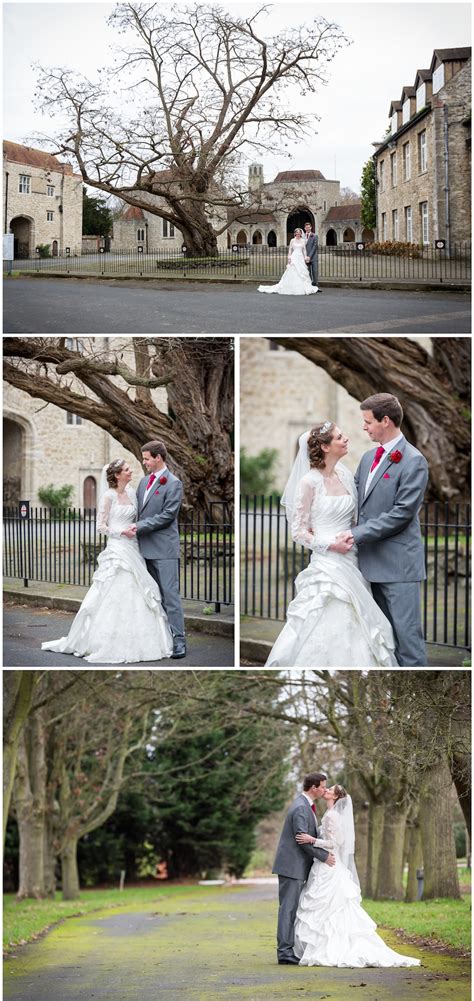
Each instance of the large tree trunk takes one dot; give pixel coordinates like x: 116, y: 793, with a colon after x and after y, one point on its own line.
x: 436, y: 824
x: 69, y: 870
x: 415, y: 860
x: 434, y: 392
x: 376, y: 825
x: 17, y: 698
x: 389, y: 879
x: 30, y: 799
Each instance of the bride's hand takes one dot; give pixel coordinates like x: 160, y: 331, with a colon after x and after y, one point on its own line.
x: 304, y: 839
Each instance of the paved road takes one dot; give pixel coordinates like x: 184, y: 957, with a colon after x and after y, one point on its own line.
x: 67, y: 306
x: 25, y: 629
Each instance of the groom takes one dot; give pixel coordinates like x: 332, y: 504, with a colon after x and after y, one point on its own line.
x: 159, y: 497
x: 391, y: 482
x: 293, y: 862
x: 310, y: 255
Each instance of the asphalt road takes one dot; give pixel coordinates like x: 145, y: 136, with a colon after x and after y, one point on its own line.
x: 25, y: 629
x: 67, y: 306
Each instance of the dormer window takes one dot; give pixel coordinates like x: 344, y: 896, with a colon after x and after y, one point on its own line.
x: 438, y: 78
x: 406, y: 111
x: 421, y: 97
x: 394, y: 122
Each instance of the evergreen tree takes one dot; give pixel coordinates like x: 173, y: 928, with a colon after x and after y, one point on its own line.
x: 96, y: 217
x: 368, y: 215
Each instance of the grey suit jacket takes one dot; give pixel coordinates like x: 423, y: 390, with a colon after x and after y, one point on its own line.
x: 157, y: 525
x: 311, y: 246
x: 292, y: 859
x: 388, y: 533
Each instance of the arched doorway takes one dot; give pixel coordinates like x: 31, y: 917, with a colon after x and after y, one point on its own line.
x: 368, y: 235
x: 229, y: 241
x: 22, y: 228
x: 331, y: 238
x: 241, y: 238
x: 349, y: 235
x: 298, y: 218
x: 272, y: 238
x: 89, y: 492
x: 54, y: 249
x: 13, y: 454
x: 257, y: 238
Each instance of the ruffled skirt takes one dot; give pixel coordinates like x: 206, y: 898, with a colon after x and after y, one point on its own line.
x: 121, y: 619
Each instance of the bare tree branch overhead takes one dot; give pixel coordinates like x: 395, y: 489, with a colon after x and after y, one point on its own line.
x: 198, y: 375
x: 192, y: 93
x: 434, y: 390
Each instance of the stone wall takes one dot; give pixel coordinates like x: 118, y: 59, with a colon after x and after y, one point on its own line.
x: 419, y: 188
x: 66, y: 226
x: 455, y: 97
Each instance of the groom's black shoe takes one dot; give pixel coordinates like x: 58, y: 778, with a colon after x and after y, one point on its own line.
x: 179, y: 649
x: 288, y: 961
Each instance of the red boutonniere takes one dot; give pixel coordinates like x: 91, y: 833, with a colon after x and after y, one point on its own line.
x: 164, y: 479
x: 386, y: 476
x: 395, y: 456
x: 157, y: 491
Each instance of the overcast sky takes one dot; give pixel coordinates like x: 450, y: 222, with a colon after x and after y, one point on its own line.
x: 390, y: 42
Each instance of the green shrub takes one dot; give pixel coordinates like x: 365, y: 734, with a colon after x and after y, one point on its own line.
x: 257, y: 474
x: 56, y: 498
x: 44, y: 250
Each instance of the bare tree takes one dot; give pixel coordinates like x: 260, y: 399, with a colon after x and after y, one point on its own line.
x: 208, y: 87
x: 104, y: 389
x: 434, y: 391
x: 18, y: 693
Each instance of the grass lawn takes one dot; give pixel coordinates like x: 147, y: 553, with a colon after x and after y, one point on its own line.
x: 447, y: 921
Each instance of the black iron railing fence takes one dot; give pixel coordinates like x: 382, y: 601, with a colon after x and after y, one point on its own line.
x: 270, y: 561
x: 63, y: 548
x: 262, y: 263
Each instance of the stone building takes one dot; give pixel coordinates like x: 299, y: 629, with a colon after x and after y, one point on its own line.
x: 44, y: 444
x: 283, y: 394
x: 424, y: 164
x: 42, y: 201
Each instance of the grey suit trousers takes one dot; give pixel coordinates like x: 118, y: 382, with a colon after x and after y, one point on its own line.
x: 401, y: 604
x: 166, y: 574
x: 289, y: 892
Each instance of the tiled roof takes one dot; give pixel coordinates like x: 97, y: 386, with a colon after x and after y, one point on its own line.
x: 31, y: 157
x: 448, y: 55
x: 299, y: 175
x: 251, y: 219
x: 133, y: 214
x: 339, y: 213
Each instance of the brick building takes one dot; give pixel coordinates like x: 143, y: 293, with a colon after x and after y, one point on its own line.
x: 42, y: 201
x: 423, y: 166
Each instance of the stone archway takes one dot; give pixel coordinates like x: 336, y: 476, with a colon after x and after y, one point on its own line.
x: 22, y: 228
x: 331, y: 238
x: 54, y: 248
x: 257, y: 238
x: 368, y: 235
x: 13, y: 452
x: 272, y: 238
x: 89, y: 493
x: 348, y: 235
x: 241, y: 238
x: 297, y: 218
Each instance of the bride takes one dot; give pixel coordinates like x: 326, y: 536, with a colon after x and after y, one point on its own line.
x: 121, y: 619
x: 296, y: 279
x: 333, y: 621
x: 331, y: 927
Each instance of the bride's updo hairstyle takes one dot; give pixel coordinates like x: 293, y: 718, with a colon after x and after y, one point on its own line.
x: 339, y: 793
x: 321, y: 434
x: 112, y: 471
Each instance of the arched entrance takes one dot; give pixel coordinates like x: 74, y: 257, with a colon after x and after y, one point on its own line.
x: 22, y: 228
x: 241, y: 238
x: 257, y: 238
x: 54, y: 249
x: 298, y: 218
x: 349, y: 235
x: 89, y: 492
x: 331, y: 238
x: 272, y: 238
x: 13, y: 454
x: 368, y: 235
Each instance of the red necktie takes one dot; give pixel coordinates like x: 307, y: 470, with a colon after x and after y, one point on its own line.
x: 313, y: 807
x: 378, y: 455
x: 150, y: 481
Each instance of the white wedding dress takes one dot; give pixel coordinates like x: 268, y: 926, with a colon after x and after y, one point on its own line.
x: 295, y: 280
x: 121, y: 620
x: 331, y: 927
x: 333, y: 621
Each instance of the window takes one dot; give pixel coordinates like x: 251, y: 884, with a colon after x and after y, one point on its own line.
x: 382, y: 175
x: 141, y: 235
x: 50, y: 216
x: 394, y: 224
x: 406, y: 162
x: 421, y: 97
x: 168, y: 228
x: 73, y: 418
x: 394, y: 122
x: 438, y: 78
x: 384, y: 225
x: 408, y: 224
x: 406, y: 111
x: 75, y: 344
x: 50, y: 190
x: 424, y: 222
x: 324, y: 205
x: 393, y: 169
x: 24, y: 186
x: 422, y: 156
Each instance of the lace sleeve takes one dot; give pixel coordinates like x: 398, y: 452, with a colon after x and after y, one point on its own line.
x: 301, y: 524
x: 332, y: 828
x: 103, y: 515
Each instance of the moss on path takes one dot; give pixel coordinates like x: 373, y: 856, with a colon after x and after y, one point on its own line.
x: 204, y: 945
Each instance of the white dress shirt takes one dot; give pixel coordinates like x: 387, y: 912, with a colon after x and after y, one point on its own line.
x: 388, y: 446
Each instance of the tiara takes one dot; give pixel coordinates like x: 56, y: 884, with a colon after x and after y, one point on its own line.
x: 116, y: 462
x: 325, y: 427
